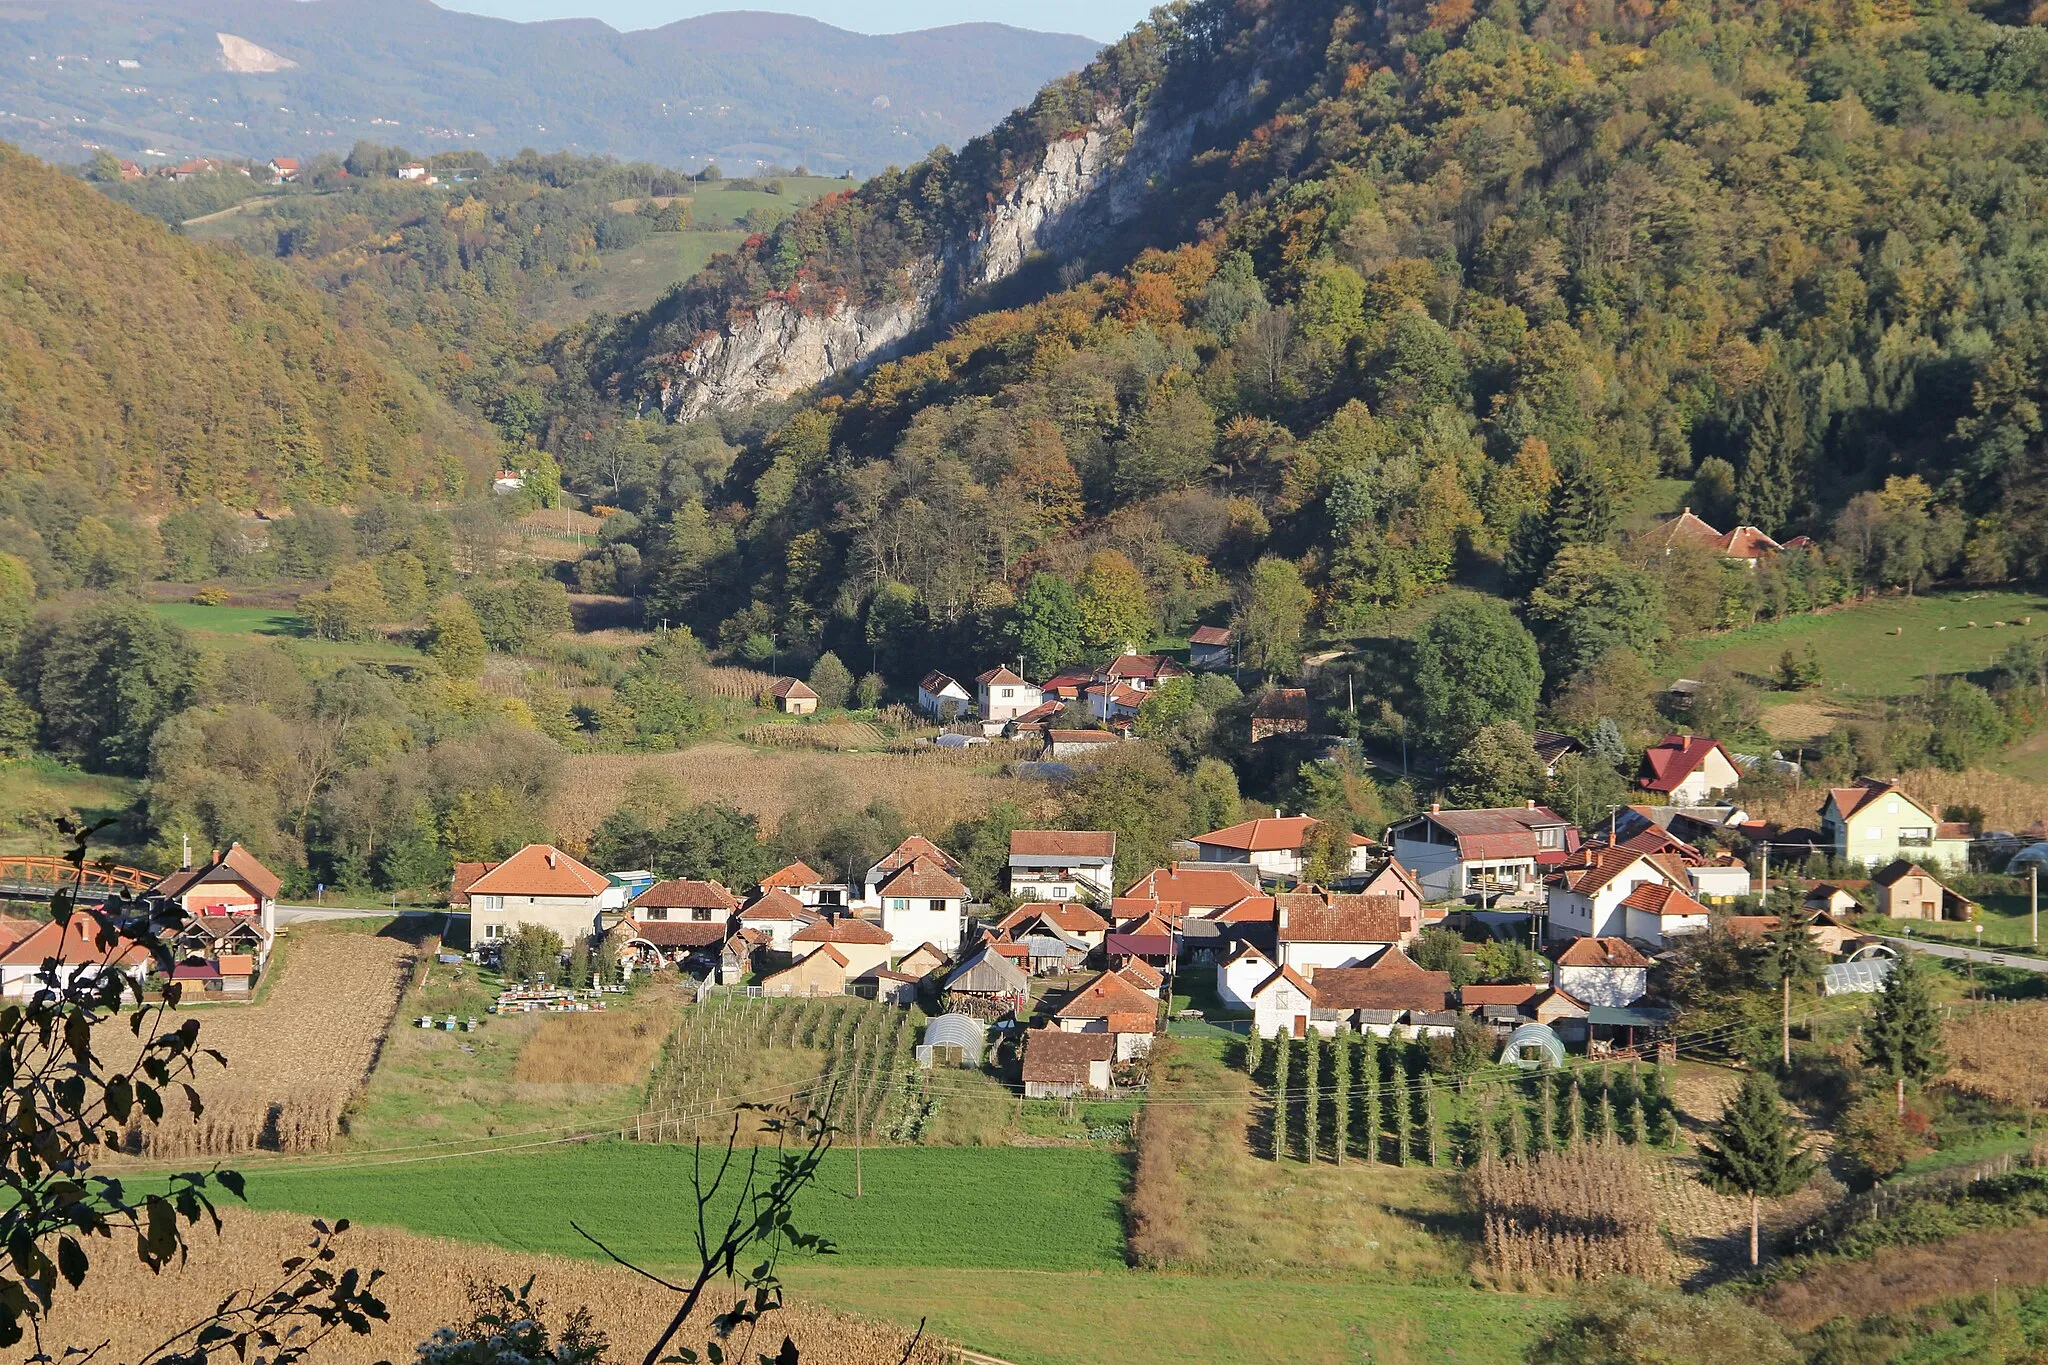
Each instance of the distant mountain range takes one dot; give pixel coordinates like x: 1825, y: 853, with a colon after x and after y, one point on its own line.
x: 260, y: 78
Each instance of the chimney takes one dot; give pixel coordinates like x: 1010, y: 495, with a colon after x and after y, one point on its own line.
x: 216, y: 855
x: 187, y: 841
x: 1436, y: 808
x: 1531, y: 804
x: 551, y: 858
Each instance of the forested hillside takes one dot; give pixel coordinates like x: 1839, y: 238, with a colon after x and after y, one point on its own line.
x: 1459, y: 286
x: 154, y: 369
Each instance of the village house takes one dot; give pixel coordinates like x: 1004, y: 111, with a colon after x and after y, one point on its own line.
x: 1273, y: 846
x: 75, y: 948
x: 1553, y: 746
x: 1034, y: 723
x: 416, y: 172
x: 1392, y: 879
x: 776, y: 915
x: 540, y: 885
x: 1504, y: 1006
x: 230, y: 975
x: 1070, y: 920
x: 1150, y: 938
x: 1066, y: 744
x: 1719, y: 879
x: 939, y: 697
x: 209, y: 938
x: 1658, y: 915
x: 1059, y: 1065
x: 1745, y: 545
x: 923, y: 960
x: 1587, y: 892
x: 1114, y: 704
x: 1144, y: 976
x: 1063, y: 865
x: 1392, y: 992
x: 1002, y: 696
x: 230, y: 885
x: 1141, y: 671
x: 794, y: 697
x: 806, y: 884
x: 283, y: 170
x: 1494, y: 854
x: 1689, y: 769
x: 1834, y: 898
x: 924, y: 903
x: 1908, y: 891
x: 696, y: 901
x: 867, y: 894
x: 822, y: 971
x: 861, y: 946
x: 1283, y: 1005
x: 1280, y: 711
x: 1193, y: 888
x: 1563, y: 1014
x: 1314, y: 930
x: 1602, y: 971
x: 1209, y: 647
x: 1243, y: 972
x: 1110, y: 1004
x: 1874, y: 823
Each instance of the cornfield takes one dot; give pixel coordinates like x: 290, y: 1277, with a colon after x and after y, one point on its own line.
x: 294, y: 1061
x: 848, y: 1059
x: 830, y: 737
x: 1984, y: 1061
x: 426, y: 1286
x: 746, y: 685
x: 1579, y: 1214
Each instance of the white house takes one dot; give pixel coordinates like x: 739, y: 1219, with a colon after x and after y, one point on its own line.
x: 1875, y: 823
x: 868, y: 893
x: 1658, y: 915
x: 1493, y: 853
x: 1273, y: 846
x: 1602, y: 971
x: 1241, y: 973
x: 1690, y: 769
x: 1001, y: 696
x: 412, y: 171
x: 540, y: 885
x: 924, y: 903
x: 1313, y: 930
x: 1110, y: 702
x: 777, y: 914
x: 1723, y: 879
x: 1284, y: 1006
x: 75, y: 946
x: 806, y: 884
x: 1141, y: 671
x: 939, y: 697
x: 1063, y: 865
x: 1586, y: 893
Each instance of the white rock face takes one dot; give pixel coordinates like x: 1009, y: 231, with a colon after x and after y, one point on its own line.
x: 241, y: 55
x: 783, y: 352
x: 1029, y: 218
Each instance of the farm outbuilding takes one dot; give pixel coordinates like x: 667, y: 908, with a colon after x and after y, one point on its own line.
x: 952, y: 1031
x: 1531, y: 1045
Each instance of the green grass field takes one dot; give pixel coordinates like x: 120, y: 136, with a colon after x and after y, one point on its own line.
x: 1071, y: 1318
x: 34, y: 789
x: 632, y: 277
x: 240, y: 627
x: 1861, y: 659
x: 1038, y: 1208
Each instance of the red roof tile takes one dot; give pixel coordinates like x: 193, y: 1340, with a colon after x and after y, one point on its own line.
x: 1105, y: 995
x: 1652, y: 899
x: 540, y: 870
x: 797, y: 874
x: 1193, y: 885
x: 844, y: 930
x: 1062, y: 843
x: 1055, y: 1057
x: 1676, y: 757
x: 1603, y: 952
x: 926, y: 879
x: 1307, y: 917
x: 686, y: 895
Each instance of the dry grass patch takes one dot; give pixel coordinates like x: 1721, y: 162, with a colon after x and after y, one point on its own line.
x: 931, y: 794
x: 609, y: 1047
x: 830, y: 737
x: 425, y: 1287
x: 1984, y: 1060
x: 295, y: 1061
x: 1201, y: 1198
x: 1901, y: 1278
x: 1581, y: 1214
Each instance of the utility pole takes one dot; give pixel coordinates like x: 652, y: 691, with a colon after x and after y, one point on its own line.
x: 2034, y: 901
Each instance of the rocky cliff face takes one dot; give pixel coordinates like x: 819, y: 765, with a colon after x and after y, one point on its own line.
x: 1082, y: 186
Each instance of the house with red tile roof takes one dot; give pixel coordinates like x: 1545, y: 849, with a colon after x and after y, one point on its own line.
x: 1141, y: 671
x: 1393, y: 990
x: 1061, y: 744
x: 1110, y: 1004
x: 1602, y: 971
x: 1113, y: 703
x: 1059, y: 1065
x: 776, y: 914
x: 1684, y: 529
x: 1658, y: 915
x: 1196, y: 889
x: 1283, y: 1005
x: 863, y: 946
x: 1497, y: 854
x: 793, y: 697
x: 1314, y: 929
x: 943, y: 699
x: 806, y: 883
x: 1063, y: 865
x: 74, y: 946
x: 1587, y: 891
x: 234, y: 883
x: 1747, y: 546
x: 1001, y: 696
x: 544, y: 886
x: 702, y: 901
x: 1280, y: 711
x: 1273, y: 846
x: 1068, y: 920
x: 1690, y: 769
x: 653, y: 944
x: 923, y: 902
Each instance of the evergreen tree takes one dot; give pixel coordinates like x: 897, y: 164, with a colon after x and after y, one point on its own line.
x: 1902, y: 1039
x: 1607, y: 744
x: 1754, y: 1152
x: 1342, y: 1056
x: 1369, y: 1068
x: 1254, y: 1048
x: 1312, y: 1098
x: 1281, y: 1047
x: 1790, y: 958
x: 1773, y: 456
x: 1656, y: 1109
x: 1403, y: 1104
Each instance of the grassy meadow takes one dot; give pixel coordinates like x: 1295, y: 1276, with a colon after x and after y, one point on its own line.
x: 231, y: 628
x: 1020, y: 1208
x: 34, y: 792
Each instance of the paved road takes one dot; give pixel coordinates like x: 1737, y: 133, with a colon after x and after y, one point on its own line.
x: 1984, y: 955
x: 315, y: 914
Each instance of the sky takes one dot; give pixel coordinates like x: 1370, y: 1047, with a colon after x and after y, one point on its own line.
x: 1099, y: 19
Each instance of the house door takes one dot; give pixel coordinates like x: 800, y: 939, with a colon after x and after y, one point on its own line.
x: 1301, y: 1026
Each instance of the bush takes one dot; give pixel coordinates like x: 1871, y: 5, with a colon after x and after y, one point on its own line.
x: 1627, y: 1322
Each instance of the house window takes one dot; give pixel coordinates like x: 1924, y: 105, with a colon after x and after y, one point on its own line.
x: 936, y: 907
x: 898, y: 903
x: 490, y: 902
x: 1283, y: 1000
x: 1921, y: 837
x: 1008, y: 693
x: 493, y: 932
x: 701, y: 915
x: 1547, y: 838
x: 655, y: 912
x: 1873, y: 833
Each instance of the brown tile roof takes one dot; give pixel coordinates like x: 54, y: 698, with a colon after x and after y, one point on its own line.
x: 1061, y: 843
x: 678, y: 933
x: 1750, y: 928
x: 847, y: 930
x: 1849, y: 800
x: 1000, y: 676
x: 1149, y: 926
x: 235, y: 964
x: 1142, y: 974
x: 1250, y: 910
x: 1105, y: 995
x: 1685, y: 529
x: 793, y: 689
x: 937, y: 683
x: 1473, y: 996
x: 75, y: 942
x: 238, y: 864
x: 777, y: 904
x: 1055, y: 1057
x: 1284, y: 834
x: 466, y: 876
x: 1070, y: 916
x: 927, y: 879
x: 1595, y: 866
x: 1498, y: 832
x: 1746, y: 542
x: 1603, y: 952
x: 797, y: 874
x: 1953, y: 829
x: 13, y: 931
x: 540, y: 870
x: 1282, y: 703
x: 1195, y: 886
x: 1145, y: 666
x: 1898, y: 870
x: 1392, y: 982
x: 686, y: 895
x: 1081, y: 736
x: 1653, y: 899
x: 1291, y: 977
x: 926, y: 952
x: 1216, y: 636
x: 1307, y: 917
x: 914, y: 848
